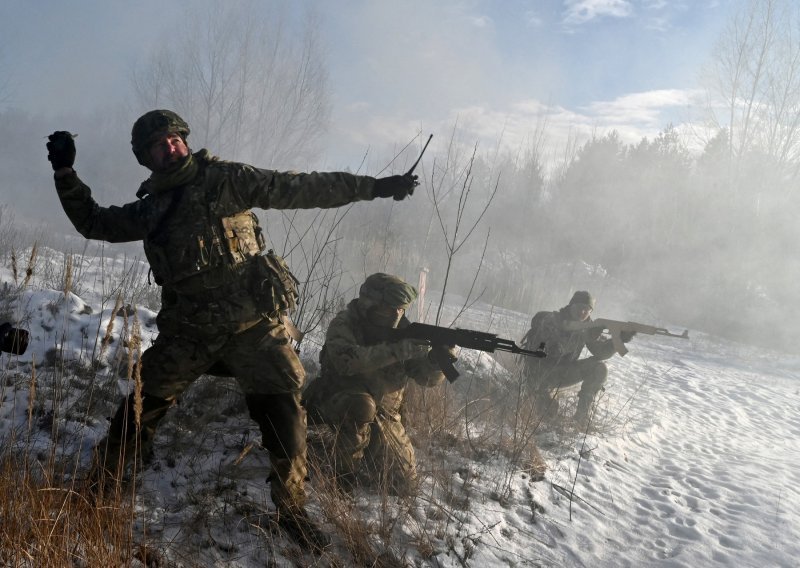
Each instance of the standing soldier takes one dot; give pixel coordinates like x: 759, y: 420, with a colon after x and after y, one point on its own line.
x: 563, y: 367
x: 222, y: 300
x: 363, y: 378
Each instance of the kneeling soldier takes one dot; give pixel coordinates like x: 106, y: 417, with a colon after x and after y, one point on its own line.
x: 364, y: 377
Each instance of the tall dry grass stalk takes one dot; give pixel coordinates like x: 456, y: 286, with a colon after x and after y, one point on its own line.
x: 31, y: 264
x: 67, y: 286
x: 136, y: 347
x: 14, y: 269
x: 109, y: 334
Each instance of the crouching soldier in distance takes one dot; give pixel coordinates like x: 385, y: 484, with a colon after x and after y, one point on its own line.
x: 563, y: 366
x: 222, y: 300
x: 359, y: 393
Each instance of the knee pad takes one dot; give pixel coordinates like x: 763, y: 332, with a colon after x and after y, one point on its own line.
x: 282, y: 422
x: 350, y: 408
x: 360, y: 408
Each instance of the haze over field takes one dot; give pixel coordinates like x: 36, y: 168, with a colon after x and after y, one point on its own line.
x: 624, y: 135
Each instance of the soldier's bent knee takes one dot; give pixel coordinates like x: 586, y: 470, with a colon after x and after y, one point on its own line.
x: 359, y: 408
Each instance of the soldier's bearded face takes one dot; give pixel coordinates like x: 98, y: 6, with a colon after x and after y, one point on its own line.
x: 167, y: 151
x: 384, y: 315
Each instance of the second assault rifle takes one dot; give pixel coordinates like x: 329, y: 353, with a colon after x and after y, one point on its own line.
x: 615, y: 329
x: 467, y: 338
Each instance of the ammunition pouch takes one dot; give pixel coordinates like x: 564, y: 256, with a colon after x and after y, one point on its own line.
x: 243, y: 238
x: 275, y: 288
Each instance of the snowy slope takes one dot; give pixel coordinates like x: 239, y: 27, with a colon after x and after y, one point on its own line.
x: 693, y: 460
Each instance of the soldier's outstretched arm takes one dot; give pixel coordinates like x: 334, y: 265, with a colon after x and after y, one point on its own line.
x: 269, y: 189
x: 114, y: 224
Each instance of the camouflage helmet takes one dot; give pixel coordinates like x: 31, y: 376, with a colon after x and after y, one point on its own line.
x: 584, y: 298
x: 387, y: 289
x: 150, y: 126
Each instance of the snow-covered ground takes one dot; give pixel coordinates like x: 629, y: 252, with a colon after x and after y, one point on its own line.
x: 694, y: 460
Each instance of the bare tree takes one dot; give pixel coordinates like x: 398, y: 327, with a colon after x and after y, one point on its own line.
x: 451, y: 186
x: 754, y: 82
x: 248, y: 77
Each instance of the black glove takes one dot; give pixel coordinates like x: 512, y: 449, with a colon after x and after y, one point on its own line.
x: 61, y: 149
x: 626, y: 336
x: 397, y: 187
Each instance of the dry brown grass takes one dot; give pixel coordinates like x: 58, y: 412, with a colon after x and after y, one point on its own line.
x: 365, y: 540
x: 46, y: 521
x: 47, y: 517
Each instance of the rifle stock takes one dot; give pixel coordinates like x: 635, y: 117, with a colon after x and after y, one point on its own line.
x: 466, y: 338
x: 615, y: 329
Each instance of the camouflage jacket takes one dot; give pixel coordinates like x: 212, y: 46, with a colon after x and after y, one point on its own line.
x: 564, y: 346
x: 351, y: 360
x: 199, y: 238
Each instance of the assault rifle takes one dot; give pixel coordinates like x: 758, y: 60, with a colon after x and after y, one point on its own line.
x: 615, y: 329
x: 467, y: 338
x: 13, y: 340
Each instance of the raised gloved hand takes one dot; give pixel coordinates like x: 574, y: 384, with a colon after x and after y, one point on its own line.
x: 61, y: 149
x: 406, y: 349
x: 398, y: 187
x: 626, y: 336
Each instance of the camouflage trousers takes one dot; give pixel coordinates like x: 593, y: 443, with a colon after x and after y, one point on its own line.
x: 590, y: 373
x: 268, y: 371
x: 370, y: 443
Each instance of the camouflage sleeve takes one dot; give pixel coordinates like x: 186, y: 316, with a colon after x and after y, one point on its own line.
x: 113, y: 224
x: 546, y: 329
x: 269, y: 189
x: 349, y: 357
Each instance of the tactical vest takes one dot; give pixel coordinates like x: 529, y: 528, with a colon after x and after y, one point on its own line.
x: 203, y: 228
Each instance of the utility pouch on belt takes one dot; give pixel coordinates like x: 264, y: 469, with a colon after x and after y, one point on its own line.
x: 243, y: 237
x: 276, y: 286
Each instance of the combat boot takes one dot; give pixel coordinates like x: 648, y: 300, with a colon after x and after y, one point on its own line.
x: 545, y: 406
x: 581, y: 417
x: 305, y: 532
x: 537, y: 465
x: 105, y: 476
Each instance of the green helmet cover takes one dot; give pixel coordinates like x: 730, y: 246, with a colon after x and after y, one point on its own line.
x: 389, y: 290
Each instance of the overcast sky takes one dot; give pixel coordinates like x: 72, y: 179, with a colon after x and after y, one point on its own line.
x: 398, y: 68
